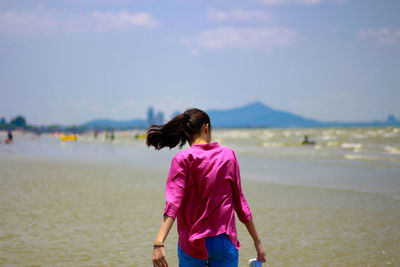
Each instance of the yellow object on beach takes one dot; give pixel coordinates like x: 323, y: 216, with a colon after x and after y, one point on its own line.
x: 141, y: 136
x: 72, y: 137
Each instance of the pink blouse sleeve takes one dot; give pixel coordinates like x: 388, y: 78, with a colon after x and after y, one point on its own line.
x: 175, y: 188
x: 240, y: 204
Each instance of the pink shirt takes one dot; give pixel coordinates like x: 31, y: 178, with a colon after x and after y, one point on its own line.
x: 203, y: 191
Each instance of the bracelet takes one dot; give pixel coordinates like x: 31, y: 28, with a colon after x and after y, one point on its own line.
x: 158, y: 246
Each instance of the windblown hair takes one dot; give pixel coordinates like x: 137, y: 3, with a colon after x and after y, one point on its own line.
x: 181, y: 129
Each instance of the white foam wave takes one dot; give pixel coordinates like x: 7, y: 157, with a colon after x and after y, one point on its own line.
x: 389, y: 135
x: 270, y: 144
x: 267, y: 135
x: 360, y: 136
x: 358, y: 157
x: 333, y: 144
x: 329, y: 137
x: 318, y: 147
x: 392, y: 149
x: 351, y: 145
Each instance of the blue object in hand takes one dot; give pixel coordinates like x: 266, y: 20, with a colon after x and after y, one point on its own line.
x: 255, y: 263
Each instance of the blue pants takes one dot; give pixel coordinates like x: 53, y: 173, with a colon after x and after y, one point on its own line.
x: 221, y: 253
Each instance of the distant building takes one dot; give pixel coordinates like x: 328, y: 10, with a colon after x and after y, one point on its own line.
x: 150, y: 116
x: 159, y: 118
x: 154, y: 118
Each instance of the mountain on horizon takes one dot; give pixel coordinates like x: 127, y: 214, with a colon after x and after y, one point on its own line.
x: 256, y: 115
x: 253, y: 115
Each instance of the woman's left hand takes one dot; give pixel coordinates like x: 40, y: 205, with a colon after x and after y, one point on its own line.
x: 159, y: 259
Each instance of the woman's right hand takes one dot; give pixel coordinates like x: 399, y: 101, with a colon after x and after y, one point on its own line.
x: 261, y: 255
x: 159, y: 259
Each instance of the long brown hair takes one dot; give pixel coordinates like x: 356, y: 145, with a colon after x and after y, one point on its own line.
x: 181, y: 129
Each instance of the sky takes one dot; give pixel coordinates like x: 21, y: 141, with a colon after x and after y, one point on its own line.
x: 70, y: 61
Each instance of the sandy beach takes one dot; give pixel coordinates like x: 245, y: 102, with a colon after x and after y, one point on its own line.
x: 56, y: 213
x: 96, y: 203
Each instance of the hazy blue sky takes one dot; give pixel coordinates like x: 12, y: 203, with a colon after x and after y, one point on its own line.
x: 70, y: 61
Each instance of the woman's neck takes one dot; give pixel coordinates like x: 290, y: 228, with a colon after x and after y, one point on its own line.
x: 200, y: 140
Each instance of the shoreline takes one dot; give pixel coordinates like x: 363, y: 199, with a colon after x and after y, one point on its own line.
x: 163, y: 170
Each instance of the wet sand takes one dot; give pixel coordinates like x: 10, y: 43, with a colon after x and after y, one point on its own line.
x: 65, y: 213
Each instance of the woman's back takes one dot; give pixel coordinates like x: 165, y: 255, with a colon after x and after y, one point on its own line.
x: 203, y: 190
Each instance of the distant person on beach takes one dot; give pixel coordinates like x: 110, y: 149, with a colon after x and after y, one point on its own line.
x: 10, y: 135
x: 306, y: 141
x: 203, y: 191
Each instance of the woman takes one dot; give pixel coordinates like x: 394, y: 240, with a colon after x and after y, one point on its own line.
x: 203, y: 190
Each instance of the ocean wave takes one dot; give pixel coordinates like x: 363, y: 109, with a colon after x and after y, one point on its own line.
x: 392, y: 149
x: 359, y: 157
x: 267, y: 135
x: 360, y: 136
x: 318, y: 147
x: 270, y: 144
x: 351, y: 145
x: 333, y: 144
x: 390, y: 135
x: 329, y: 137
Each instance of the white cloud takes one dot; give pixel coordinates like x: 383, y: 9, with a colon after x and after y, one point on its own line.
x: 42, y: 20
x: 120, y: 21
x: 25, y: 22
x: 301, y: 2
x: 238, y: 15
x: 195, y: 52
x: 383, y: 36
x: 244, y: 38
